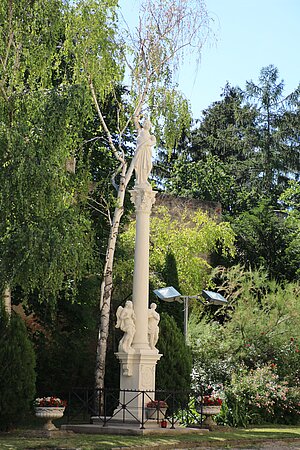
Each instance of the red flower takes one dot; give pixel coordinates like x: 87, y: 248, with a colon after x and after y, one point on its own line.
x: 157, y: 404
x: 50, y: 402
x: 209, y: 400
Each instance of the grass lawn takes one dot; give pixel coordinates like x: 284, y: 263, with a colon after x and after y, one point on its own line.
x: 20, y: 440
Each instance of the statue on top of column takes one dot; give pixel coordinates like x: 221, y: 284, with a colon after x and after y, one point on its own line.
x: 126, y: 323
x: 143, y: 154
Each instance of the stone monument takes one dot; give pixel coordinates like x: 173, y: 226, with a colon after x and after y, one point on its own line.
x: 137, y: 352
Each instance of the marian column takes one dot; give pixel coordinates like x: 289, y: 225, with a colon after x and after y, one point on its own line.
x: 138, y: 361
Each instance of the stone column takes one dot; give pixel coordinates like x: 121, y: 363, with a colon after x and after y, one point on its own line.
x: 143, y: 200
x: 138, y: 366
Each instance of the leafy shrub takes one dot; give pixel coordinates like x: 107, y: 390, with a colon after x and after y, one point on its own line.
x: 213, y: 361
x: 259, y: 326
x: 257, y: 396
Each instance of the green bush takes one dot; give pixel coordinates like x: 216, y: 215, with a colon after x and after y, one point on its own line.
x: 259, y: 326
x: 258, y: 396
x: 17, y: 374
x: 66, y: 341
x: 174, y: 368
x: 213, y: 360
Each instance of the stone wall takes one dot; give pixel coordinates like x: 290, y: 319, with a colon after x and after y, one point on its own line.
x: 176, y: 205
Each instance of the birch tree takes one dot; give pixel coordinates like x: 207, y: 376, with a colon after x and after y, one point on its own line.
x: 150, y: 55
x: 45, y: 235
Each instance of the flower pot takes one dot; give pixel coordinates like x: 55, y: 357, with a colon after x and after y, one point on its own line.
x: 163, y: 424
x: 156, y: 414
x: 49, y: 413
x: 211, y: 410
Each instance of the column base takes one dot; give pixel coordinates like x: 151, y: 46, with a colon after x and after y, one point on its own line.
x: 137, y: 375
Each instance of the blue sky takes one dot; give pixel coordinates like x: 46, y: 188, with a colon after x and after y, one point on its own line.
x: 250, y: 34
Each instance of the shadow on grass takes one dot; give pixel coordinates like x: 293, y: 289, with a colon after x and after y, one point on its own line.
x: 23, y: 439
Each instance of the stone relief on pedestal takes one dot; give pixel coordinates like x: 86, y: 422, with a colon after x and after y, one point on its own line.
x: 143, y: 155
x: 147, y: 373
x: 153, y: 329
x: 126, y: 323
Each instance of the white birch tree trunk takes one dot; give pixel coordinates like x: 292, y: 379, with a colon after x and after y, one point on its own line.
x: 107, y: 278
x: 7, y: 300
x: 106, y: 290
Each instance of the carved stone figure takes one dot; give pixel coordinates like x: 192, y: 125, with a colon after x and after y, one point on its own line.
x: 143, y: 154
x: 153, y: 329
x: 126, y: 323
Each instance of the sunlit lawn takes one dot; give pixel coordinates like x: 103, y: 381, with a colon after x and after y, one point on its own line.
x: 21, y: 439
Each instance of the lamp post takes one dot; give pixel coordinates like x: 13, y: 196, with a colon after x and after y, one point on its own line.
x: 170, y: 294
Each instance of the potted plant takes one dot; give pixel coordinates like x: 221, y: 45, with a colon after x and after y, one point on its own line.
x: 49, y: 408
x: 156, y: 409
x: 210, y: 405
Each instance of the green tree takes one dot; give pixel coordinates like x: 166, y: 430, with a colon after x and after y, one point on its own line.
x: 17, y: 374
x: 46, y: 237
x: 266, y: 238
x: 245, y: 148
x: 61, y: 367
x: 190, y: 238
x: 278, y: 128
x: 219, y: 163
x: 170, y: 278
x: 259, y: 326
x: 174, y: 368
x: 290, y: 199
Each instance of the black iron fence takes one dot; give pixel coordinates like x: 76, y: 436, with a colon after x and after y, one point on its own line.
x: 107, y: 405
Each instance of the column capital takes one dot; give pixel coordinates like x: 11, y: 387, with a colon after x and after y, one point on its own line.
x: 143, y: 198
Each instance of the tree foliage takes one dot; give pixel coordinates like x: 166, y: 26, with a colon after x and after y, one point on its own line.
x: 17, y: 374
x: 174, y: 369
x: 265, y: 237
x: 245, y: 147
x: 207, y: 167
x: 189, y: 238
x: 65, y: 341
x: 279, y: 151
x: 260, y: 327
x: 45, y: 232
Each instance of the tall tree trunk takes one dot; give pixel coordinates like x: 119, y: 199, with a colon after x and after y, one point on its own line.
x: 106, y: 287
x: 7, y: 300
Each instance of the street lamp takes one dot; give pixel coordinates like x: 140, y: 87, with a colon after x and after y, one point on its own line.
x: 170, y: 294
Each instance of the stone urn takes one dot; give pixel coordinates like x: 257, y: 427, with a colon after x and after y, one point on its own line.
x: 49, y: 413
x: 210, y: 411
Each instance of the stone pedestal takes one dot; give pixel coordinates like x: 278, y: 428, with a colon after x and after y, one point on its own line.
x: 137, y: 374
